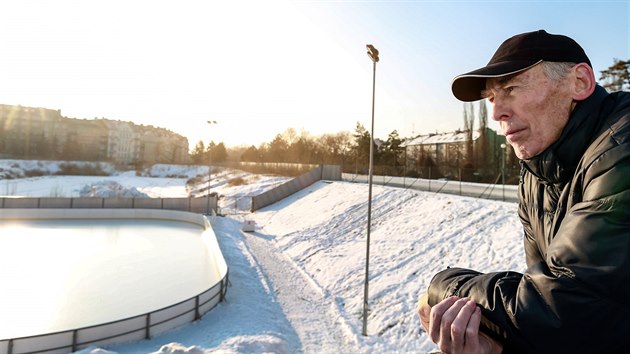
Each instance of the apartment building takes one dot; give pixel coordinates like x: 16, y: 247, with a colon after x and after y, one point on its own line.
x: 448, y: 153
x: 122, y: 141
x: 161, y: 145
x: 28, y: 132
x: 84, y: 139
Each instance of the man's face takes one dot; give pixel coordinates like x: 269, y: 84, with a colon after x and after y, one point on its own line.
x: 531, y: 109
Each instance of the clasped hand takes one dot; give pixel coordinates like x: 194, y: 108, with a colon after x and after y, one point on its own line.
x: 453, y: 325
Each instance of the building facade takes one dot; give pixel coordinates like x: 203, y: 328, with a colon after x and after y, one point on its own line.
x: 31, y: 133
x: 28, y: 131
x: 122, y: 141
x: 476, y: 155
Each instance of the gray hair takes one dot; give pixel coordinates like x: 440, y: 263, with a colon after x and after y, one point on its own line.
x: 556, y: 71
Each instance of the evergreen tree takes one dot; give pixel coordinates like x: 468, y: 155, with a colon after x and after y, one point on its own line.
x: 251, y: 155
x: 361, y: 146
x: 393, y: 150
x: 219, y: 153
x: 278, y: 149
x: 483, y: 154
x: 301, y: 148
x: 617, y: 76
x: 207, y: 155
x: 197, y: 155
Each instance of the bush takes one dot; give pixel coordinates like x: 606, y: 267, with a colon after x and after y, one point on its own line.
x: 34, y: 173
x: 195, y: 180
x: 75, y: 170
x: 238, y: 181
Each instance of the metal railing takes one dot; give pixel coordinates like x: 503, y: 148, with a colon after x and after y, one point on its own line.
x: 492, y: 191
x: 196, y: 205
x: 137, y: 327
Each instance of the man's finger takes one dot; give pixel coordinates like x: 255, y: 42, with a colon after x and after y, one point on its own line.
x: 461, y: 326
x: 446, y: 323
x: 436, y: 317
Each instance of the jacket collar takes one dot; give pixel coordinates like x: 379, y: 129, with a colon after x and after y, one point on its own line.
x: 558, y: 163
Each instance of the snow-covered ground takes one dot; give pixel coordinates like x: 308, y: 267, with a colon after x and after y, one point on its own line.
x: 235, y: 188
x: 297, y: 282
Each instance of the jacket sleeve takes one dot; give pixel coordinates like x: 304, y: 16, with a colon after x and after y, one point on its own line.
x: 576, y: 300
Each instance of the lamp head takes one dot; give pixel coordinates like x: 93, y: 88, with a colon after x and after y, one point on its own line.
x: 372, y: 53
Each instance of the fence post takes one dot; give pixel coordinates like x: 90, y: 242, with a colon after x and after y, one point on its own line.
x: 221, y: 294
x: 197, y: 316
x: 147, y: 333
x: 74, y: 340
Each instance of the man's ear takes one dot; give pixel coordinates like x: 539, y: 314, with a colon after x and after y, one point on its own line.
x: 584, y: 81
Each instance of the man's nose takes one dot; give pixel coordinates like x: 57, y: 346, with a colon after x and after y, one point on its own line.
x: 500, y: 111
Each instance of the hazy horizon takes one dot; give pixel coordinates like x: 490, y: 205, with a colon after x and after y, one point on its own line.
x: 258, y: 68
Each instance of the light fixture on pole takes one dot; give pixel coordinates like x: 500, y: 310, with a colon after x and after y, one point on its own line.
x: 209, y: 169
x: 503, y: 146
x: 373, y: 54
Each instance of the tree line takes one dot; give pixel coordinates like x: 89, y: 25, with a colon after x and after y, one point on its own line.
x: 290, y: 146
x: 351, y: 149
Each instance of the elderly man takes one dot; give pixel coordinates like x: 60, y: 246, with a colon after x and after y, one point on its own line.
x: 573, y: 140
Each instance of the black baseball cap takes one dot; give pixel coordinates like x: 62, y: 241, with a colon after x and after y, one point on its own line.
x: 517, y: 54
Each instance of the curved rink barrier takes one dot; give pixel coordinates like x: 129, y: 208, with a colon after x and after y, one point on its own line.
x: 127, y: 325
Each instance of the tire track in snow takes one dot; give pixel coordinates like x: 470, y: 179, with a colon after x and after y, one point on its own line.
x: 307, y: 307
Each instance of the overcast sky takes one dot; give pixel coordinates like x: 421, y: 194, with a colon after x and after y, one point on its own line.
x: 260, y: 67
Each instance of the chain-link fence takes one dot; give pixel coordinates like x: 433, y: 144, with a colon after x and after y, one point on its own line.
x: 507, y: 175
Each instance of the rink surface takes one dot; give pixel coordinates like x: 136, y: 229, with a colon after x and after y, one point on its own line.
x: 65, y: 274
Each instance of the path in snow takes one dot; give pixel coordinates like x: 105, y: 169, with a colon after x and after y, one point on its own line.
x: 310, y: 312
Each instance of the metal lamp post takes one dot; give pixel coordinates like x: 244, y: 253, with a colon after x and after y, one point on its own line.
x: 209, y: 169
x: 373, y: 54
x: 503, y: 146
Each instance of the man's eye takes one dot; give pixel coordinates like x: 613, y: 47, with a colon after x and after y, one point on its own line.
x: 509, y: 89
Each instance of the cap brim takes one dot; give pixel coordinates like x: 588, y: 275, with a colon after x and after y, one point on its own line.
x: 467, y: 87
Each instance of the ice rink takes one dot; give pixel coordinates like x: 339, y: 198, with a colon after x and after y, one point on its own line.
x: 64, y: 274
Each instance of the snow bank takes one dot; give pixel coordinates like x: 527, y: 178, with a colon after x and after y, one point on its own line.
x: 175, y: 171
x: 110, y: 189
x: 10, y: 169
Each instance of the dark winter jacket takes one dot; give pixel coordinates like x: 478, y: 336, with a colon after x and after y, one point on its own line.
x: 574, y: 296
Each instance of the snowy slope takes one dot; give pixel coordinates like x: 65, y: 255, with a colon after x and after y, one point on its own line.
x: 297, y: 281
x: 308, y: 259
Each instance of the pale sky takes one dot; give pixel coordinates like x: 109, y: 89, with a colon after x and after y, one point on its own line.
x: 260, y: 67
